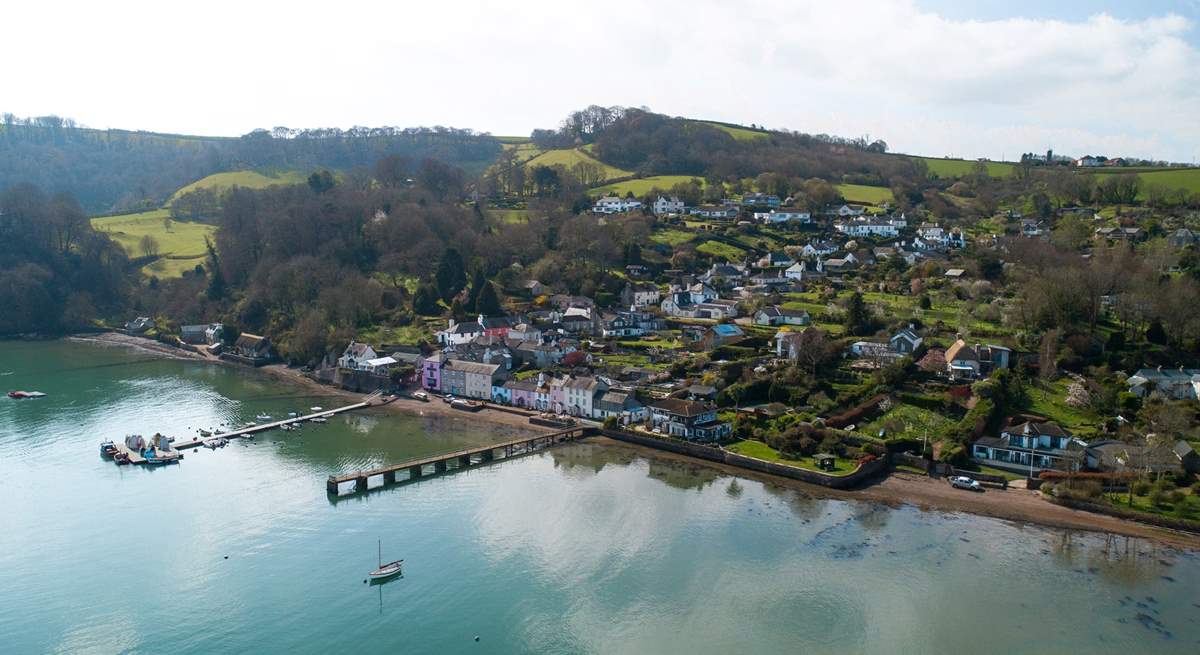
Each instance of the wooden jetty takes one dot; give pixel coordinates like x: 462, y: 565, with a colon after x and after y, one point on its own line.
x: 460, y: 459
x: 368, y: 401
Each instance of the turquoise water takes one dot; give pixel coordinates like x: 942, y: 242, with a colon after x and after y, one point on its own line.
x: 580, y: 549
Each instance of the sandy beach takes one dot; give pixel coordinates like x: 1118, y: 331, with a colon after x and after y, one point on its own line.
x: 900, y: 487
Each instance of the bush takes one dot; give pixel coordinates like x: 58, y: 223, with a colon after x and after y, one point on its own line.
x: 1079, y: 490
x: 1157, y: 497
x: 1141, y: 488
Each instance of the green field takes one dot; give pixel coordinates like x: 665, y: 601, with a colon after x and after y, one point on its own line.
x: 760, y: 450
x: 721, y: 250
x: 863, y: 194
x: 907, y: 422
x: 180, y: 245
x: 641, y: 187
x: 568, y: 157
x: 1176, y: 178
x: 672, y: 237
x: 960, y: 167
x: 738, y: 133
x: 509, y: 216
x: 249, y: 179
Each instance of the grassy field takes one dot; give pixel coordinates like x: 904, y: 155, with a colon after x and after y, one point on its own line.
x: 760, y: 450
x: 672, y: 237
x: 960, y: 167
x: 509, y: 216
x: 641, y: 187
x: 861, y: 193
x: 1177, y: 178
x: 907, y: 422
x: 1049, y: 399
x: 722, y: 250
x: 181, y: 245
x: 739, y: 133
x: 249, y: 179
x: 421, y: 329
x: 570, y: 156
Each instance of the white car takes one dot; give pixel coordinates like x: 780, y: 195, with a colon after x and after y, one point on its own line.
x: 963, y: 482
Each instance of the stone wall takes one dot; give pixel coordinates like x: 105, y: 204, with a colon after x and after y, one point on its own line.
x: 709, y: 453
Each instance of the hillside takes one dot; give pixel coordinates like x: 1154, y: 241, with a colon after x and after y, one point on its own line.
x: 951, y: 168
x: 180, y: 244
x: 220, y: 182
x: 109, y: 170
x: 571, y: 157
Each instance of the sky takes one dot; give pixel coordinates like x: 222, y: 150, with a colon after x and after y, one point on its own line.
x: 933, y: 77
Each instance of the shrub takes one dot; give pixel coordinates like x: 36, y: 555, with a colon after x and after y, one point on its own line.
x: 1157, y: 497
x: 1141, y: 488
x: 1079, y: 490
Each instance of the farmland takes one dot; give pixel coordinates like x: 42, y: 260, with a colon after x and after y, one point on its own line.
x: 722, y: 250
x: 642, y: 186
x: 738, y: 133
x: 180, y: 245
x: 249, y: 179
x: 1170, y: 178
x: 959, y: 167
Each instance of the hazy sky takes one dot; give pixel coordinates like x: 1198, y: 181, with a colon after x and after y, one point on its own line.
x: 939, y: 77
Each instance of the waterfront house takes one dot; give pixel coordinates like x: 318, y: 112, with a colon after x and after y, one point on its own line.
x: 140, y: 325
x: 688, y: 419
x: 1048, y: 444
x: 579, y: 394
x: 355, y: 355
x: 252, y: 348
x: 620, y: 404
x: 381, y: 366
x: 471, y: 379
x: 429, y: 370
x: 521, y: 393
x: 1118, y: 456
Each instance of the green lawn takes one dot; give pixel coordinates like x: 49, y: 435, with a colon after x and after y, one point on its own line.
x: 959, y: 167
x: 642, y: 186
x: 672, y: 237
x: 249, y: 179
x: 738, y: 133
x: 568, y: 157
x: 863, y: 194
x: 907, y: 422
x: 180, y: 245
x: 421, y: 329
x: 1143, y: 504
x: 1049, y: 399
x: 760, y: 450
x: 722, y: 250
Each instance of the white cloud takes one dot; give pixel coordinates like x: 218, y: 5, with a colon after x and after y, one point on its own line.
x: 922, y: 82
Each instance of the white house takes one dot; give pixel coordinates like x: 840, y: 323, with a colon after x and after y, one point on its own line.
x: 638, y: 295
x: 723, y: 212
x: 819, y: 249
x: 867, y: 228
x: 906, y: 341
x: 1176, y: 383
x: 379, y: 365
x: 776, y: 316
x: 356, y: 356
x: 664, y: 206
x: 775, y: 216
x: 615, y: 205
x: 579, y: 394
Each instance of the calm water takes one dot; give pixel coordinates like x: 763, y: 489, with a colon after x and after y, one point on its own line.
x: 582, y: 549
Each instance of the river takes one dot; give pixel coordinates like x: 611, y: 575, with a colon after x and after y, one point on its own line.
x: 587, y: 548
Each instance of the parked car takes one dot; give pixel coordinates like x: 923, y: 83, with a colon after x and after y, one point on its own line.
x: 963, y: 482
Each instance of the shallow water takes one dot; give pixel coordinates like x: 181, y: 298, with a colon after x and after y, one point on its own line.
x: 580, y: 549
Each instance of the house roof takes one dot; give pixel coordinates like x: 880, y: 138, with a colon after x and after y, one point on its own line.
x: 1048, y: 428
x: 478, y: 368
x: 908, y: 334
x: 727, y: 330
x: 356, y: 349
x: 681, y: 407
x: 382, y: 361
x: 247, y: 340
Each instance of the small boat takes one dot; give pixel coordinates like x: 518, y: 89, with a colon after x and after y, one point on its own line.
x: 159, y: 457
x: 251, y: 424
x: 205, y: 433
x: 215, y: 443
x: 21, y: 395
x: 316, y: 409
x: 108, y: 448
x: 121, y: 458
x: 263, y: 416
x: 385, y: 571
x: 293, y: 414
x: 319, y: 419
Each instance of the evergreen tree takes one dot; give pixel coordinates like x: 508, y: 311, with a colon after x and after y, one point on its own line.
x: 858, y: 320
x: 216, y: 279
x: 488, y: 302
x: 449, y: 277
x: 456, y: 310
x: 477, y: 283
x: 425, y: 300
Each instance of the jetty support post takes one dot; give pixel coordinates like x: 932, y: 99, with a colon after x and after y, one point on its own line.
x: 360, y: 484
x: 464, y: 461
x: 331, y: 486
x: 414, y: 472
x: 389, y: 477
x: 439, y: 466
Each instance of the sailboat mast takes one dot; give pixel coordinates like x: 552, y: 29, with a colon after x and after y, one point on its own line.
x: 381, y: 553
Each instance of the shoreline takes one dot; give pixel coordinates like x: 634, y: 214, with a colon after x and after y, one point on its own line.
x: 898, y: 488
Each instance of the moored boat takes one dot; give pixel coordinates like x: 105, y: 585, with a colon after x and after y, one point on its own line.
x: 385, y: 571
x: 21, y: 395
x: 108, y: 448
x: 263, y: 416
